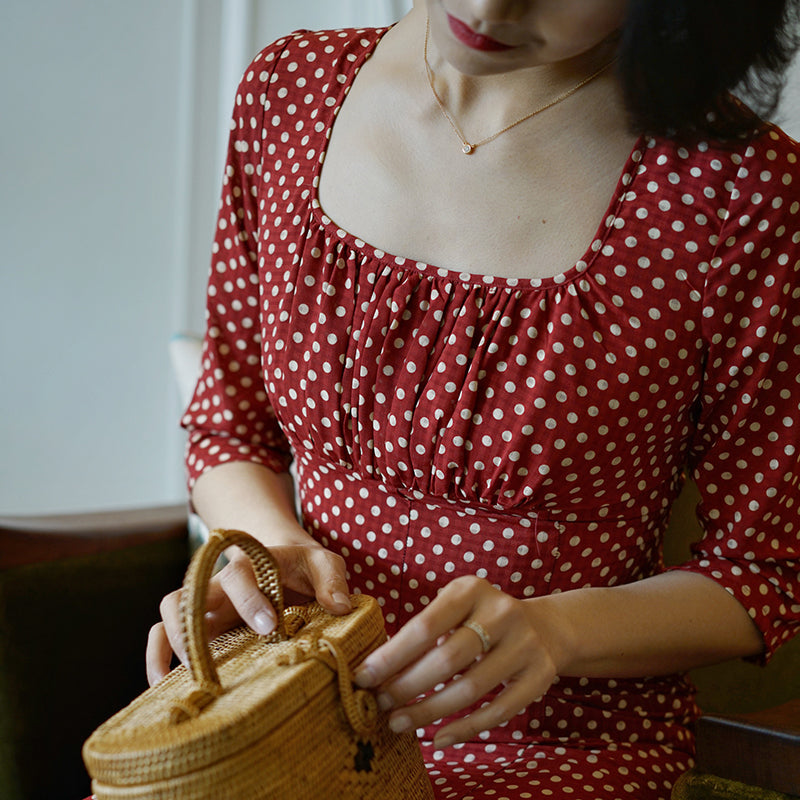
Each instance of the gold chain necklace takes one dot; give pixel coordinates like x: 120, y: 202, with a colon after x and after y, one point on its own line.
x: 468, y: 147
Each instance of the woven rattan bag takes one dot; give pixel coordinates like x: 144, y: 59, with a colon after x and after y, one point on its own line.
x: 259, y: 717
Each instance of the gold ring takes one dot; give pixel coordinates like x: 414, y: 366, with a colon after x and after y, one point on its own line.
x: 480, y: 631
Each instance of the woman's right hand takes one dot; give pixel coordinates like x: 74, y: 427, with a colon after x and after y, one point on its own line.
x: 307, y: 572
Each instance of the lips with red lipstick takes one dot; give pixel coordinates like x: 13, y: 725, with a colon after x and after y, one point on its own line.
x: 476, y: 41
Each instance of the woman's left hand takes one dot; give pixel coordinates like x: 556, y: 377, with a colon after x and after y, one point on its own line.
x: 509, y: 645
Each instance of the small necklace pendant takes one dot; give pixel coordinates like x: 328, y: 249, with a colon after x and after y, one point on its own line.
x: 467, y: 148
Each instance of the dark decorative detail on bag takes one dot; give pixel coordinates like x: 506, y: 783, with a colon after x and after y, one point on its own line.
x: 364, y: 756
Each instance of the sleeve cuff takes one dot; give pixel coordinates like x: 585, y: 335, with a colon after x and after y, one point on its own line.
x: 755, y: 586
x: 205, y: 452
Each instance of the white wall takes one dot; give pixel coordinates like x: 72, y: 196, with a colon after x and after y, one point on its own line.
x: 113, y: 114
x: 114, y: 120
x: 88, y: 155
x: 789, y: 113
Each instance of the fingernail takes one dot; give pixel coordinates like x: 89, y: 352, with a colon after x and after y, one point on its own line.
x: 385, y: 701
x: 440, y: 742
x: 342, y: 600
x: 399, y: 724
x: 263, y: 623
x: 364, y: 677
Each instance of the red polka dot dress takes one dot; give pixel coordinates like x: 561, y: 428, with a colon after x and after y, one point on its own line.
x: 532, y: 432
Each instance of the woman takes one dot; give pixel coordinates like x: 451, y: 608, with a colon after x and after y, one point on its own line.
x: 541, y: 272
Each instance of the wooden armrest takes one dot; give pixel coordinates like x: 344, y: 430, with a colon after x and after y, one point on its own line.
x: 760, y: 749
x: 35, y: 539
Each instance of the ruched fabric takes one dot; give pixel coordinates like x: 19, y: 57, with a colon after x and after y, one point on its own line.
x: 532, y: 432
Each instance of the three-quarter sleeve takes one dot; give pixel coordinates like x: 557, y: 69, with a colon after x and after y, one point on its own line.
x: 745, y: 457
x: 230, y: 417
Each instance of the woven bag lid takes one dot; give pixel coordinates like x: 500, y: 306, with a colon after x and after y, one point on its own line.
x: 177, y: 727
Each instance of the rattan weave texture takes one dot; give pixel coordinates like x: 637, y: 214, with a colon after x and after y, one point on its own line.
x: 255, y: 717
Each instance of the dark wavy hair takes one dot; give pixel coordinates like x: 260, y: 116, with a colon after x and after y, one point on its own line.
x: 680, y: 61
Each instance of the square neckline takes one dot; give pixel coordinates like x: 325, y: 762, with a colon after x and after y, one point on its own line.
x: 631, y: 168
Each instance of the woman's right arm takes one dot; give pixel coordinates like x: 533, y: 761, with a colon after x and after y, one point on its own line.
x: 238, y: 456
x: 250, y: 497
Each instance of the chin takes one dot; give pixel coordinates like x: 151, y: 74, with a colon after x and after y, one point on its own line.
x: 482, y: 64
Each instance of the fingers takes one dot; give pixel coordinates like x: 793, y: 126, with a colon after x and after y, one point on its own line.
x: 306, y: 571
x: 170, y: 609
x: 234, y: 597
x: 159, y: 654
x: 419, y: 635
x: 311, y: 573
x: 238, y: 582
x: 519, y: 694
x: 435, y: 667
x: 326, y: 572
x: 221, y: 614
x: 526, y: 680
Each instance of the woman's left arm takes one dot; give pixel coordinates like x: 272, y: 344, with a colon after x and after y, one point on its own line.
x: 664, y: 624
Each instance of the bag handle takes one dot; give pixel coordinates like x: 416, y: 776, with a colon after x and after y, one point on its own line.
x: 360, y: 705
x: 195, y: 593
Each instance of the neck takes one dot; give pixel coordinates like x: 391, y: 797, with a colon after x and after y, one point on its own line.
x: 492, y: 99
